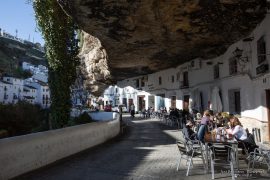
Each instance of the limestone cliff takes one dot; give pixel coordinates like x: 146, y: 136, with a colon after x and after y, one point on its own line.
x: 144, y: 36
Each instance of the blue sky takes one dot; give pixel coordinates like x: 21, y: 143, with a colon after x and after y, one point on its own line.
x: 17, y: 14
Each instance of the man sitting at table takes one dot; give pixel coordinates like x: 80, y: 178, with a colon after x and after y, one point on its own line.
x: 188, y: 132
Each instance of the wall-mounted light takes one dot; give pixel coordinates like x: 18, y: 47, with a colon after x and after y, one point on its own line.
x: 237, y: 53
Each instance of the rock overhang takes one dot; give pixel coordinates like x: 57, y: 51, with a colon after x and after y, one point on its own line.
x: 141, y: 37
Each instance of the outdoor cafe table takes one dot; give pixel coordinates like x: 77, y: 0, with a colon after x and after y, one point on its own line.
x: 209, y: 139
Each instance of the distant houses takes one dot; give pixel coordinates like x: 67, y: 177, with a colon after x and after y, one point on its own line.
x: 34, y: 90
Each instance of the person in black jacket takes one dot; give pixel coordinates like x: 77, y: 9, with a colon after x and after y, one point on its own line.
x: 188, y: 132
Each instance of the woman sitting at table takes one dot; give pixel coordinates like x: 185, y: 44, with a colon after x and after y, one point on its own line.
x: 203, y: 125
x: 240, y: 135
x: 237, y: 129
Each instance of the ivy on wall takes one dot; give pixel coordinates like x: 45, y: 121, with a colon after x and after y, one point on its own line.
x: 61, y: 44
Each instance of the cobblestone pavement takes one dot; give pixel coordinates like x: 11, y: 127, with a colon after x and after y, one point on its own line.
x: 146, y: 151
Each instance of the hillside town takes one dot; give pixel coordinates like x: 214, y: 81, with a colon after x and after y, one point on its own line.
x: 34, y: 90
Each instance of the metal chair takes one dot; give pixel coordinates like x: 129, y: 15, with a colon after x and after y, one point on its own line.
x: 260, y: 156
x: 187, y: 152
x: 222, y: 155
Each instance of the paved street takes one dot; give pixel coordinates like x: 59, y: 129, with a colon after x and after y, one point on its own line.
x: 146, y: 151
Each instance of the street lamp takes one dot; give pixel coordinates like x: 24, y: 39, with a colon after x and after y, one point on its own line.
x: 237, y: 53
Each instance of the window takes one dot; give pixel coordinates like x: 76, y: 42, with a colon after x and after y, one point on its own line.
x: 185, y: 79
x: 234, y: 101
x: 178, y: 76
x: 159, y: 81
x: 216, y: 71
x: 137, y: 83
x: 261, y: 50
x: 142, y: 82
x: 172, y: 79
x: 233, y: 66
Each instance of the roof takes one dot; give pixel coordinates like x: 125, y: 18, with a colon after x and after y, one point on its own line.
x: 28, y: 97
x: 31, y: 87
x: 5, y: 82
x: 42, y: 83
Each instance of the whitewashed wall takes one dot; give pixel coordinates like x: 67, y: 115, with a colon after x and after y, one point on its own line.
x: 22, y: 154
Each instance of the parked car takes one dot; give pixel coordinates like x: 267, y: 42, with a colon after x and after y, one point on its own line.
x: 108, y: 108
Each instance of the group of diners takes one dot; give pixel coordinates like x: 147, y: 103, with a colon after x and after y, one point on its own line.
x: 231, y: 126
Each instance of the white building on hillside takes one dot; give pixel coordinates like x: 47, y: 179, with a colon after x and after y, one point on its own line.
x: 30, y: 94
x: 43, y: 93
x: 12, y: 89
x: 41, y: 77
x: 237, y: 82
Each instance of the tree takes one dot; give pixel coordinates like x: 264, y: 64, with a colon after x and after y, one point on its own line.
x: 58, y: 31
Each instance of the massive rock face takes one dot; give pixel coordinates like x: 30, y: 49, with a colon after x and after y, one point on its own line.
x: 144, y: 36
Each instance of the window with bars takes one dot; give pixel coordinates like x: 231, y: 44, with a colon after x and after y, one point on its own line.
x: 261, y: 50
x: 159, y: 80
x: 216, y: 71
x: 233, y: 68
x: 185, y: 79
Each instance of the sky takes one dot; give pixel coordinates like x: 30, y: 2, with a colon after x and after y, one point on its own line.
x: 17, y: 14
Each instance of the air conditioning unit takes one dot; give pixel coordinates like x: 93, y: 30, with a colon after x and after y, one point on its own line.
x: 195, y: 64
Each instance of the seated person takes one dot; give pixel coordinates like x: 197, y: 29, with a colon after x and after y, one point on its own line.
x: 241, y: 135
x: 204, y: 125
x: 188, y: 132
x: 237, y: 129
x: 218, y: 119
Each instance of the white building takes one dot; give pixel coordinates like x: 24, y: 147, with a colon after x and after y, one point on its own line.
x: 239, y: 79
x: 30, y: 94
x: 43, y: 93
x: 26, y: 66
x: 12, y: 89
x: 41, y: 77
x: 35, y: 92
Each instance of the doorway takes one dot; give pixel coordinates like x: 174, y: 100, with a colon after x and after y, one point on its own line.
x: 173, y: 101
x: 268, y: 110
x: 186, y: 102
x: 130, y: 102
x: 141, y: 102
x: 235, y: 101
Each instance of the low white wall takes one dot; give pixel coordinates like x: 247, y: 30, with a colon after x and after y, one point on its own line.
x: 22, y: 154
x: 103, y: 116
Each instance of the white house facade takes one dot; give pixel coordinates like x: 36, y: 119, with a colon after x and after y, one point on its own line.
x: 237, y: 82
x: 43, y: 93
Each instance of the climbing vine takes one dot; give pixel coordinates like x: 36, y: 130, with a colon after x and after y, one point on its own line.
x: 61, y: 44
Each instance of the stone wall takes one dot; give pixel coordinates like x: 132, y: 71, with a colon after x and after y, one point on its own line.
x: 252, y: 123
x: 22, y: 154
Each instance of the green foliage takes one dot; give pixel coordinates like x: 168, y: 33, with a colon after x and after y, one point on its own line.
x: 83, y: 119
x: 21, y: 118
x: 21, y: 73
x: 58, y: 30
